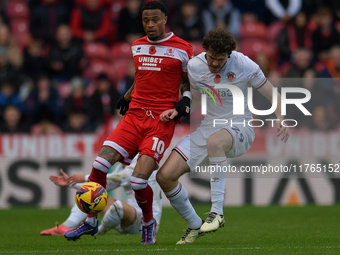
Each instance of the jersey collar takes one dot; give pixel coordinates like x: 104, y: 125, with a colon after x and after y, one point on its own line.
x: 163, y: 40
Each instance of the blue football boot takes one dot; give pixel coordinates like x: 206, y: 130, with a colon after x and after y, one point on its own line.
x: 149, y: 233
x: 83, y: 229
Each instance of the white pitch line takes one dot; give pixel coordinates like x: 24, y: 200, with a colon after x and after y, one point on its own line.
x: 176, y: 249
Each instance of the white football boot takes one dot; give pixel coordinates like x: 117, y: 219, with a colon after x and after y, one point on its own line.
x: 190, y: 236
x: 213, y: 222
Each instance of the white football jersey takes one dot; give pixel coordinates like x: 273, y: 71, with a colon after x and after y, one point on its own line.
x: 239, y: 71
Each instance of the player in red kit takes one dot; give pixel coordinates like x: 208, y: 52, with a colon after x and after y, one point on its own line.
x: 161, y: 63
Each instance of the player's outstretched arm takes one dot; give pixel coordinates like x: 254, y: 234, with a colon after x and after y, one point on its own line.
x: 267, y: 91
x: 60, y: 180
x: 65, y: 180
x: 76, y: 178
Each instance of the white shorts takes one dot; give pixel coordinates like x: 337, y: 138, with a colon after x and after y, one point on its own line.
x: 193, y: 148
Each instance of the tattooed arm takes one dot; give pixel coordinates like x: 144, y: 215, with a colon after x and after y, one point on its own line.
x: 127, y: 95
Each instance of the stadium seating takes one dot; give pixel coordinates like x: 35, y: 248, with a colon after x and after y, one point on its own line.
x: 253, y: 30
x: 116, y: 7
x: 119, y: 69
x: 197, y: 47
x: 97, y: 51
x: 96, y: 67
x: 251, y: 47
x: 20, y: 32
x: 121, y: 50
x: 17, y: 10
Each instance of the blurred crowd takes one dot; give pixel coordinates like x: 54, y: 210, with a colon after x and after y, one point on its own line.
x: 64, y: 64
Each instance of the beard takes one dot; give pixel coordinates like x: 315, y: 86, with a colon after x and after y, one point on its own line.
x: 153, y: 38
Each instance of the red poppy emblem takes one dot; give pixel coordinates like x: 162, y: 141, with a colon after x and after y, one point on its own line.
x: 152, y: 50
x: 230, y: 76
x: 217, y: 78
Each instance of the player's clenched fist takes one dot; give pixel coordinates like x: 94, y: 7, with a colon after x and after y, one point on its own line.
x: 122, y: 105
x: 182, y: 107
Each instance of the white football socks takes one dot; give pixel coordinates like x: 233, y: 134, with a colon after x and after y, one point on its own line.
x: 75, y: 217
x: 217, y: 185
x: 179, y: 200
x: 92, y: 221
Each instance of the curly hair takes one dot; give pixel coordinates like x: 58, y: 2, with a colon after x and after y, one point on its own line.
x: 155, y: 5
x: 219, y: 42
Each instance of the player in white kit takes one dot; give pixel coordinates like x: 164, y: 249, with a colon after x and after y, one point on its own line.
x: 123, y: 217
x: 220, y: 64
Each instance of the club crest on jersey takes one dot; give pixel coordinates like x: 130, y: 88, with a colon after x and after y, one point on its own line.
x: 217, y: 78
x: 170, y: 52
x: 152, y: 50
x: 231, y: 76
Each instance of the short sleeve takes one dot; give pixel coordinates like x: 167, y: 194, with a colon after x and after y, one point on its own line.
x: 192, y: 74
x: 254, y: 74
x: 190, y: 54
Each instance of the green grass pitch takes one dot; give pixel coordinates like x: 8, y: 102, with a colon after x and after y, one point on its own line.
x: 248, y: 230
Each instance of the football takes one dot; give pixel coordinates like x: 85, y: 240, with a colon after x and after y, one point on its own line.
x: 91, y: 198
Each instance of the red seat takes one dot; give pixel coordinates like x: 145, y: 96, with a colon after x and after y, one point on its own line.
x: 115, y: 9
x: 119, y: 69
x: 96, y: 67
x: 97, y: 51
x: 17, y: 10
x: 19, y: 26
x: 197, y: 47
x: 253, y: 30
x: 251, y: 47
x: 121, y: 50
x: 20, y: 32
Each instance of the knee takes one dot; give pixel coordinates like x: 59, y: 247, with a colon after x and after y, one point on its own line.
x: 109, y: 154
x: 138, y: 183
x: 164, y: 179
x: 160, y: 179
x: 214, y: 144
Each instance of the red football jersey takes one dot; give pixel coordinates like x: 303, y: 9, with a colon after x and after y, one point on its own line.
x: 159, y: 66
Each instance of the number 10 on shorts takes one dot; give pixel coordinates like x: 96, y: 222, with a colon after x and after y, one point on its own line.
x: 158, y: 145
